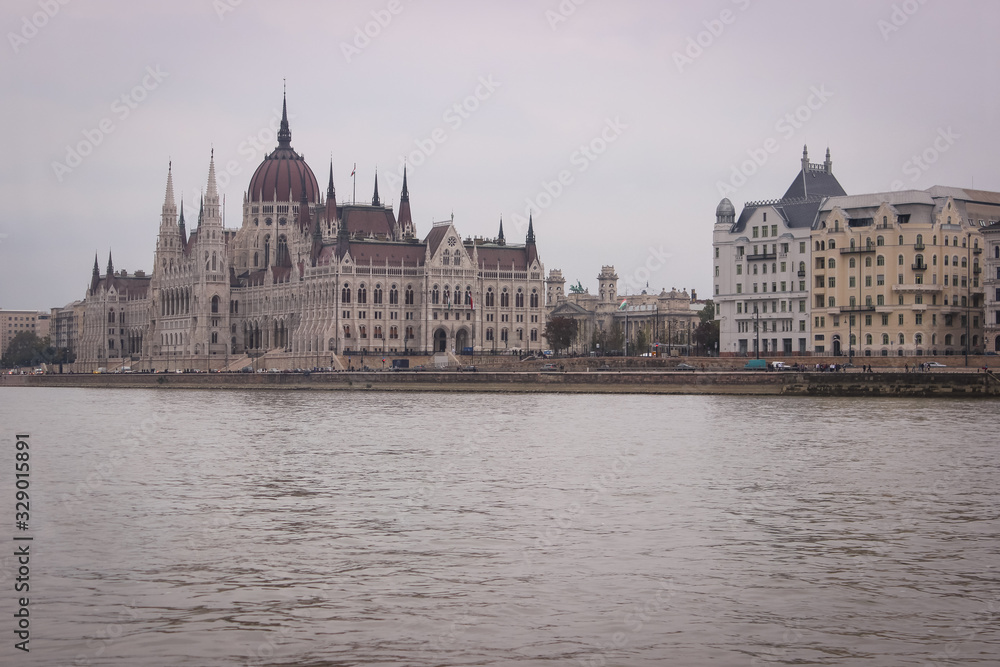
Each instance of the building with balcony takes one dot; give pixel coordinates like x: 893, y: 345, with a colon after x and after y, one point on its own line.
x: 900, y: 273
x: 762, y: 266
x: 991, y: 286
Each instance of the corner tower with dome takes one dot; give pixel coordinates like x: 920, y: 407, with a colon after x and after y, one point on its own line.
x: 761, y: 266
x: 308, y: 281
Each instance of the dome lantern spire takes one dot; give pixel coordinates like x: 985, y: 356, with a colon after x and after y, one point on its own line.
x: 284, y: 134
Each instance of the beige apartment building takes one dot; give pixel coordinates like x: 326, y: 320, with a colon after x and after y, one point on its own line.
x: 15, y: 321
x: 900, y: 273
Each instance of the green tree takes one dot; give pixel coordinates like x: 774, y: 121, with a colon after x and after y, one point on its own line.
x: 27, y: 349
x: 560, y: 332
x: 706, y: 335
x: 615, y: 338
x: 640, y: 343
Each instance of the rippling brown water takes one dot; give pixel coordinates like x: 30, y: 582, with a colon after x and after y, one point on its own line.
x: 271, y: 528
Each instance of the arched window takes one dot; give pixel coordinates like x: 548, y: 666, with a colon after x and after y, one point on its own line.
x: 519, y: 299
x: 393, y: 296
x: 946, y: 260
x: 345, y: 295
x: 111, y: 316
x: 215, y: 304
x: 964, y: 263
x: 256, y: 260
x: 283, y: 258
x: 851, y: 263
x: 377, y: 295
x: 504, y: 299
x: 362, y: 295
x: 920, y: 240
x: 457, y: 296
x: 831, y: 263
x: 852, y: 242
x: 347, y: 331
x: 802, y: 267
x: 534, y: 298
x: 445, y: 258
x: 868, y: 339
x: 267, y: 251
x: 880, y: 240
x: 833, y: 244
x: 409, y: 295
x: 436, y: 295
x: 868, y: 261
x: 362, y: 331
x: 900, y: 240
x: 468, y: 295
x: 902, y: 339
x: 880, y: 260
x: 918, y: 260
x: 831, y: 302
x: 885, y: 339
x: 918, y: 339
x: 900, y: 260
x: 490, y: 297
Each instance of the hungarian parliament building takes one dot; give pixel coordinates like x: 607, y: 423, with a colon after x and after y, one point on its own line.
x: 307, y: 281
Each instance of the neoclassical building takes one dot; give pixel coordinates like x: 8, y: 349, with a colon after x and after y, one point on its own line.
x: 663, y: 322
x: 306, y: 280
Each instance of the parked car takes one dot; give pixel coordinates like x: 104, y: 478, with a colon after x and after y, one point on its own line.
x: 684, y: 367
x: 934, y: 364
x: 549, y: 367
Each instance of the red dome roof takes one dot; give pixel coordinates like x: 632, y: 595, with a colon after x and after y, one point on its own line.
x: 280, y: 176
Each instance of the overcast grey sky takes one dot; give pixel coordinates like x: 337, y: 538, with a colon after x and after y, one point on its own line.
x: 642, y: 109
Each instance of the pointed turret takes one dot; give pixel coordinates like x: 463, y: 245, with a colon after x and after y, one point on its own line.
x: 111, y: 265
x: 95, y: 278
x: 331, y: 197
x: 529, y: 243
x: 375, y: 199
x: 210, y: 202
x: 284, y: 134
x: 500, y: 239
x: 828, y: 163
x: 169, y: 213
x: 180, y: 225
x: 405, y: 219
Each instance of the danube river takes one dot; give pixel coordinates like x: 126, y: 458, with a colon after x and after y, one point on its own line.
x: 313, y: 528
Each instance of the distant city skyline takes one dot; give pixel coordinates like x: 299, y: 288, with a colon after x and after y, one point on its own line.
x: 620, y: 126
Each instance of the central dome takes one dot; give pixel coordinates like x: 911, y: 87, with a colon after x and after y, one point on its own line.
x: 281, y: 175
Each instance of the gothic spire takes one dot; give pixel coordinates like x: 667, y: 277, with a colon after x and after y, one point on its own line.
x: 97, y: 269
x: 111, y: 265
x: 213, y: 189
x: 531, y: 231
x: 284, y: 134
x: 330, y: 191
x: 168, y: 200
x: 375, y: 199
x: 500, y: 239
x: 406, y: 191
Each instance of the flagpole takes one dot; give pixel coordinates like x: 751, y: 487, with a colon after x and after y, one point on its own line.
x: 354, y: 180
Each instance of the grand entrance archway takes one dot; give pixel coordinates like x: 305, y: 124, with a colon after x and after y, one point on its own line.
x: 461, y: 341
x: 440, y: 341
x: 836, y: 346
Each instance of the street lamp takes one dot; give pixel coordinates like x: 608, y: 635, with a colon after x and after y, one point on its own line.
x: 756, y: 329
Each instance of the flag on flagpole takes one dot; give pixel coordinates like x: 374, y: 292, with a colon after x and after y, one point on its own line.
x: 623, y: 305
x: 472, y: 302
x: 355, y: 169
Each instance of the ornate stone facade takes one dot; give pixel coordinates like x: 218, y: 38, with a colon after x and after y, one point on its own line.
x: 306, y: 282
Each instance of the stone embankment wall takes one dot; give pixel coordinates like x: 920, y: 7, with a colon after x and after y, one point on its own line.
x: 855, y: 383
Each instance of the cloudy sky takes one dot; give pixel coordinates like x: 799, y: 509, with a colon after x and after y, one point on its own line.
x: 620, y: 124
